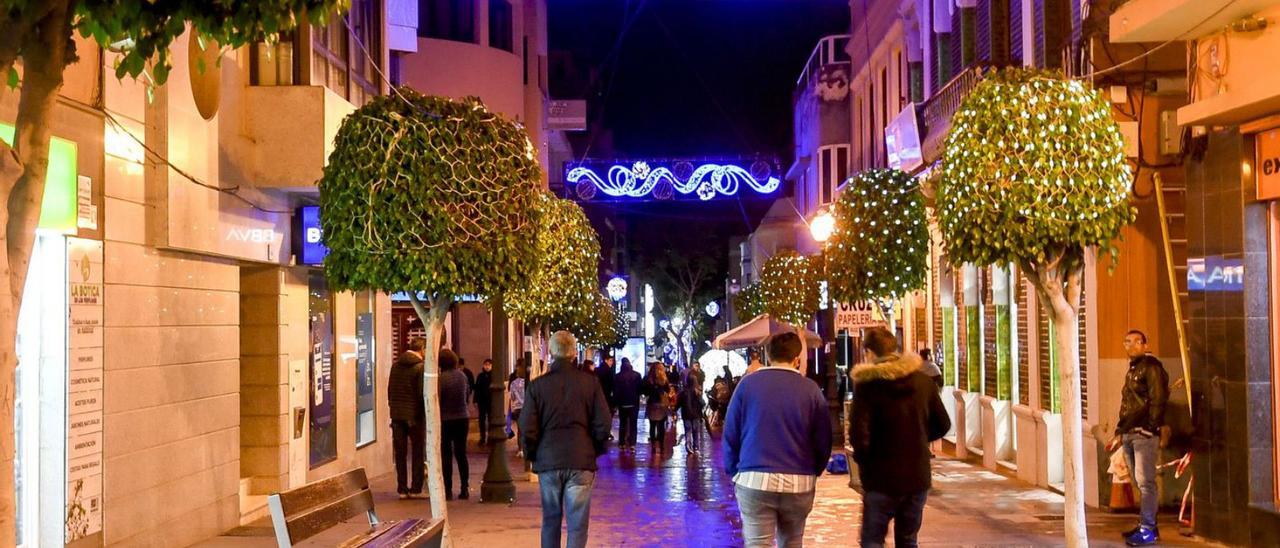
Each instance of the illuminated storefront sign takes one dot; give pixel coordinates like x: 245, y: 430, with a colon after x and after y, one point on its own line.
x: 313, y: 249
x: 58, y: 210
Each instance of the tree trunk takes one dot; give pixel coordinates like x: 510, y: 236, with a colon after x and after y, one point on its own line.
x: 22, y: 176
x: 1062, y: 301
x: 433, y: 320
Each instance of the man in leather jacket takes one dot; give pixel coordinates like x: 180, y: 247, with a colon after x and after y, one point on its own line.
x: 1142, y: 407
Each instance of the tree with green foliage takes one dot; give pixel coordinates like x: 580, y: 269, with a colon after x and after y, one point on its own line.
x: 36, y: 47
x: 879, y: 249
x: 749, y: 302
x: 789, y: 288
x: 684, y: 278
x: 1034, y: 175
x: 564, y: 283
x: 603, y: 329
x: 434, y: 196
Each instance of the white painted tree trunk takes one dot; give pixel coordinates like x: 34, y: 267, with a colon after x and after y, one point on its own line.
x: 433, y: 321
x: 1061, y: 299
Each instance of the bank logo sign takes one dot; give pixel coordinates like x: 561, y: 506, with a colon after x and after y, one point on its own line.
x: 313, y: 249
x: 1215, y: 274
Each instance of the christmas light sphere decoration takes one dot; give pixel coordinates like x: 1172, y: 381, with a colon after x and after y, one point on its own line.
x: 640, y: 170
x: 789, y: 287
x: 713, y: 309
x: 706, y: 191
x: 1034, y: 174
x: 563, y: 284
x: 879, y: 247
x: 616, y: 288
x: 748, y: 302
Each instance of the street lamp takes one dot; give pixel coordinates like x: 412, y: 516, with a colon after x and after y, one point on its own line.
x: 822, y: 226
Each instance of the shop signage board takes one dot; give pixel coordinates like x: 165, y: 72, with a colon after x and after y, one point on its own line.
x: 83, y: 515
x: 856, y: 315
x: 313, y: 249
x: 324, y: 426
x: 1215, y: 274
x: 1267, y: 166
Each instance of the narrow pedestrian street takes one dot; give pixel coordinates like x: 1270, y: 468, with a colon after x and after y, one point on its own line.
x: 686, y: 500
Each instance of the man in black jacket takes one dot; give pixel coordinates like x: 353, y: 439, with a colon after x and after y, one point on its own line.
x: 896, y: 413
x: 565, y: 426
x: 484, y: 398
x: 626, y: 393
x: 1142, y: 403
x: 408, y: 418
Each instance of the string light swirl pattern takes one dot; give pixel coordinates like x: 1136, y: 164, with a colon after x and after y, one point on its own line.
x: 789, y: 287
x: 1034, y: 166
x: 639, y: 180
x: 441, y: 202
x: 879, y: 248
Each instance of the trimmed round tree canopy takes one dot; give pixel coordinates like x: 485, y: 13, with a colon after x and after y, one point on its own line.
x: 749, y: 302
x: 789, y: 287
x: 1034, y: 165
x: 880, y: 245
x: 430, y: 194
x: 564, y: 279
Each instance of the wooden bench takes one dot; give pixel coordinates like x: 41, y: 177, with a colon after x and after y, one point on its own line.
x: 301, y: 513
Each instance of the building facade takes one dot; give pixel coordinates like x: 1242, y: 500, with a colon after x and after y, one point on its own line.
x: 1230, y: 124
x: 910, y: 65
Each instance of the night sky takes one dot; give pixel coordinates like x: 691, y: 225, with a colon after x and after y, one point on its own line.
x: 688, y: 78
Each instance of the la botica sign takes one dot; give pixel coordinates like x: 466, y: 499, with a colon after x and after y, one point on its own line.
x: 857, y: 315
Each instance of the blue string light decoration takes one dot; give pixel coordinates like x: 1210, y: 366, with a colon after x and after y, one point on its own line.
x: 642, y: 179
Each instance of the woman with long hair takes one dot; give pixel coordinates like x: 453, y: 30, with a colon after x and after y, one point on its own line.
x: 656, y: 389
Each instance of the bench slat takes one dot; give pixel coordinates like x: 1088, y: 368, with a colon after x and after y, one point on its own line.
x: 306, y: 524
x: 309, y: 496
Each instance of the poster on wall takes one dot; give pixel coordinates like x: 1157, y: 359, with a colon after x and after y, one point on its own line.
x: 324, y: 426
x: 83, y: 511
x: 364, y: 379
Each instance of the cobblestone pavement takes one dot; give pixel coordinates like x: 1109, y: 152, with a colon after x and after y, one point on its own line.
x: 677, y: 499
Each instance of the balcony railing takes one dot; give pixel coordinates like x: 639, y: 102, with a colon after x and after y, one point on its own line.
x: 831, y: 49
x: 939, y: 108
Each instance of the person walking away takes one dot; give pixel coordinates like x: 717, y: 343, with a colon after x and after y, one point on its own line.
x: 896, y: 413
x: 656, y: 406
x: 777, y: 439
x: 929, y: 368
x: 565, y: 426
x: 695, y: 375
x: 515, y: 403
x: 1142, y: 405
x: 455, y: 418
x: 408, y: 419
x: 753, y: 362
x: 484, y: 398
x: 608, y: 374
x: 691, y: 407
x: 626, y: 392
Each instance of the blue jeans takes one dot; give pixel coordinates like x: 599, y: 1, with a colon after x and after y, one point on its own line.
x: 693, y: 433
x: 566, y: 494
x: 906, y: 512
x: 1141, y: 452
x: 766, y: 515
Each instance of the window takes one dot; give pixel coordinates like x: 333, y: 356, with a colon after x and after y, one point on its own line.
x: 366, y: 369
x: 869, y: 146
x: 500, y: 25
x: 884, y: 116
x: 273, y: 64
x: 447, y: 20
x: 825, y: 176
x: 342, y: 58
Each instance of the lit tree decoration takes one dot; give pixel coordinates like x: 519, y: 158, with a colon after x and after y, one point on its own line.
x: 429, y: 194
x: 1034, y: 175
x: 603, y: 327
x: 880, y: 246
x: 563, y: 282
x: 749, y: 302
x: 789, y: 287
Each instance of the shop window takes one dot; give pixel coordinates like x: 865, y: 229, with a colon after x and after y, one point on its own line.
x: 500, y: 31
x: 323, y: 439
x: 447, y: 20
x: 366, y: 369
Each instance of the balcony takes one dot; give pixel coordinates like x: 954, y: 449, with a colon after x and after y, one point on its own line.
x: 1163, y: 20
x: 830, y: 50
x: 291, y: 155
x: 939, y: 109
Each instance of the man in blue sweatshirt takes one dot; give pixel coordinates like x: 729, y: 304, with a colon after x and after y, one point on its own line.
x: 777, y: 439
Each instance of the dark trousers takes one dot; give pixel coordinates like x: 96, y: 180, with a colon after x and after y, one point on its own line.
x: 566, y: 496
x: 658, y: 433
x: 627, y: 417
x: 484, y: 419
x: 453, y: 445
x: 906, y: 511
x: 409, y: 444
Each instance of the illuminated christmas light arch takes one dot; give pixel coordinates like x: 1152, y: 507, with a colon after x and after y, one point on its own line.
x: 664, y: 180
